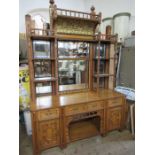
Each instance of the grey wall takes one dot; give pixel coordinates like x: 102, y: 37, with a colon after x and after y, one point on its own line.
x: 127, y: 68
x: 111, y: 7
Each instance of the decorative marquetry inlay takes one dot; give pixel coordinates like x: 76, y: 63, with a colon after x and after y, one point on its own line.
x: 114, y: 117
x: 75, y: 26
x: 48, y: 133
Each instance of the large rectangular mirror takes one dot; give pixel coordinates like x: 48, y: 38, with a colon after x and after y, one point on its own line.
x: 73, y: 65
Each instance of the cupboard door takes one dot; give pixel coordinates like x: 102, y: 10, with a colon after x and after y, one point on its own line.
x: 48, y: 134
x: 114, y: 118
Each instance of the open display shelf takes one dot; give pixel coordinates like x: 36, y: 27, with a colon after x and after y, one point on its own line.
x: 104, y: 65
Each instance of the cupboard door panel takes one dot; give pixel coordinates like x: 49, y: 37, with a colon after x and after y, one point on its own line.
x: 48, y: 133
x: 114, y: 118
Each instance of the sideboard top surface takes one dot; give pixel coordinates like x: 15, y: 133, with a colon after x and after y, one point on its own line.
x: 55, y: 101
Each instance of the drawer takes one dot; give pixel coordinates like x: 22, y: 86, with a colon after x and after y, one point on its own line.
x: 95, y: 106
x: 75, y: 109
x: 48, y: 114
x: 115, y: 102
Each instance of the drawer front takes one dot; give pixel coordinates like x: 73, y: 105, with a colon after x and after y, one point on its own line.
x: 75, y: 109
x: 115, y: 102
x: 48, y: 114
x: 95, y: 106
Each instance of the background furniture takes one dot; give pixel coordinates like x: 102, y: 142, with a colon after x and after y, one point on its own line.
x: 125, y: 80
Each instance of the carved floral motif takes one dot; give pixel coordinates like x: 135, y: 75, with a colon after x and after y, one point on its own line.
x: 75, y: 26
x: 115, y: 118
x: 48, y: 133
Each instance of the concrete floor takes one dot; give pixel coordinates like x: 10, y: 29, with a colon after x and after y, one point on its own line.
x: 115, y: 143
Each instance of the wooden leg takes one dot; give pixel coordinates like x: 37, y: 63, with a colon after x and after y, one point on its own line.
x: 120, y: 130
x: 63, y: 146
x: 103, y: 134
x: 36, y: 152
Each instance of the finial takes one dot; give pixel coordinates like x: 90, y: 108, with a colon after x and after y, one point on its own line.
x: 27, y: 16
x: 52, y: 2
x: 92, y: 8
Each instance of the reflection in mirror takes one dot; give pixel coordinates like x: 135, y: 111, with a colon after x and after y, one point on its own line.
x: 41, y: 49
x: 42, y: 68
x: 43, y: 88
x: 73, y: 73
x: 73, y: 49
x: 103, y: 49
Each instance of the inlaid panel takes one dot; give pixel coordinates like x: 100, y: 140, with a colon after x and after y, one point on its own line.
x: 48, y: 133
x: 75, y: 26
x: 114, y: 118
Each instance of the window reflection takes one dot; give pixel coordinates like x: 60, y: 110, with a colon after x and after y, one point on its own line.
x: 41, y: 49
x: 42, y: 69
x: 72, y: 49
x: 43, y: 88
x: 72, y: 72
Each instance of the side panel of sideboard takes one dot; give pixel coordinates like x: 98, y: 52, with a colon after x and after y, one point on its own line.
x: 115, y: 114
x: 48, y: 134
x: 46, y: 129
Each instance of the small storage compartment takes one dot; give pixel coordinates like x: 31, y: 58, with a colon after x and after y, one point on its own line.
x: 75, y: 109
x: 48, y: 134
x: 95, y: 105
x: 115, y: 102
x: 48, y: 114
x: 114, y: 118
